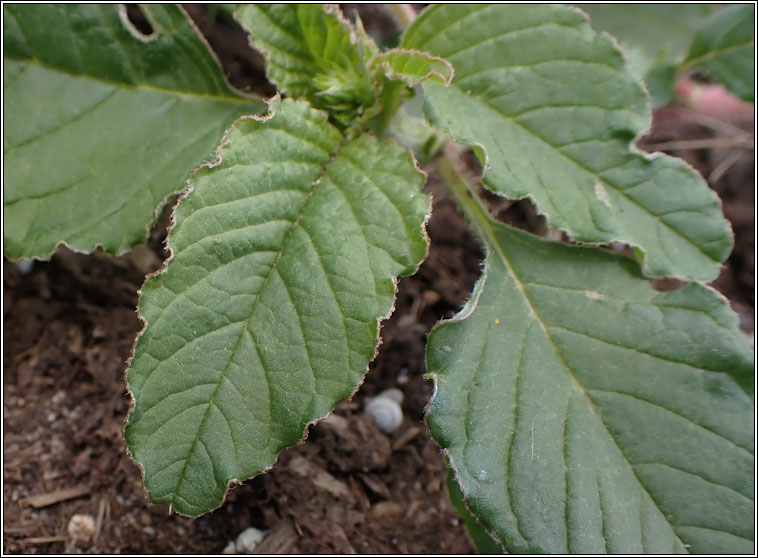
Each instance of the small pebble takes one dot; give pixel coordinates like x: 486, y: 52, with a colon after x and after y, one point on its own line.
x: 248, y: 539
x: 81, y: 527
x: 25, y: 267
x: 430, y: 298
x: 402, y: 377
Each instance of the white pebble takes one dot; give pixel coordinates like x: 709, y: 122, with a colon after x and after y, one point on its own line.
x: 248, y: 539
x: 25, y: 267
x: 81, y: 527
x: 385, y: 408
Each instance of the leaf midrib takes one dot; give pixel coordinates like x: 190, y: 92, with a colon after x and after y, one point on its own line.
x: 714, y: 53
x: 492, y: 242
x: 486, y: 227
x: 232, y: 97
x: 176, y: 494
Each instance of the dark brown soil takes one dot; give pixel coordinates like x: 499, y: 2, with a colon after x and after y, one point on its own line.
x: 68, y: 329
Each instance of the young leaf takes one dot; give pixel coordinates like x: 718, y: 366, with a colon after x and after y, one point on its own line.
x: 725, y: 48
x: 585, y: 412
x: 413, y: 67
x: 101, y: 124
x: 284, y: 259
x: 395, y: 72
x: 554, y: 106
x: 312, y: 53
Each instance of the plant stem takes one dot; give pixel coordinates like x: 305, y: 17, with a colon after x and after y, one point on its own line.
x: 450, y: 169
x: 403, y: 14
x: 448, y: 162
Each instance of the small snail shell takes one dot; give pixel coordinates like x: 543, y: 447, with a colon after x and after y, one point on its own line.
x: 385, y: 408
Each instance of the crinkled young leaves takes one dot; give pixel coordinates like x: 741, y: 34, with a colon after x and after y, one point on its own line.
x: 313, y: 53
x: 554, y: 107
x: 101, y: 124
x: 585, y: 412
x: 395, y: 72
x: 284, y: 259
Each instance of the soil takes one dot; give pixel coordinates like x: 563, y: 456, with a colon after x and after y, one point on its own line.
x: 68, y: 329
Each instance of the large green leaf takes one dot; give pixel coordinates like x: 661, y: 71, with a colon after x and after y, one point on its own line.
x: 655, y: 38
x: 312, y: 52
x: 725, y: 48
x: 481, y: 539
x: 585, y: 412
x: 284, y: 258
x: 554, y: 107
x: 101, y: 124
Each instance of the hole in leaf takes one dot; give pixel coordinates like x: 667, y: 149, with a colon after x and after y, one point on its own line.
x: 139, y: 21
x: 243, y: 66
x: 663, y: 284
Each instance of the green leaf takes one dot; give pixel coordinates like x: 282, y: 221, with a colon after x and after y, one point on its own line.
x: 481, y: 539
x: 284, y: 259
x: 101, y: 124
x: 649, y: 31
x: 555, y: 107
x: 725, y: 48
x: 413, y: 67
x: 395, y: 73
x: 585, y: 412
x: 409, y: 128
x: 312, y: 52
x: 654, y: 37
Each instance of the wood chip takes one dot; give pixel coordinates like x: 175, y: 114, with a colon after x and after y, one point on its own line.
x: 281, y: 539
x: 376, y: 486
x: 344, y: 547
x: 405, y: 437
x: 387, y: 509
x: 45, y: 540
x: 21, y: 529
x: 321, y: 478
x: 44, y: 500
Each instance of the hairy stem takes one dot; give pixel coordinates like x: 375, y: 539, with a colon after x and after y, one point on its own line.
x: 458, y: 183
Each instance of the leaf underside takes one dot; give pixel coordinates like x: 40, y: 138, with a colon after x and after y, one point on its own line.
x: 555, y: 108
x: 725, y: 49
x: 585, y: 412
x: 284, y: 259
x: 101, y: 124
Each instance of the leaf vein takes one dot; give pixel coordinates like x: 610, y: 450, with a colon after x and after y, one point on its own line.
x: 675, y: 413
